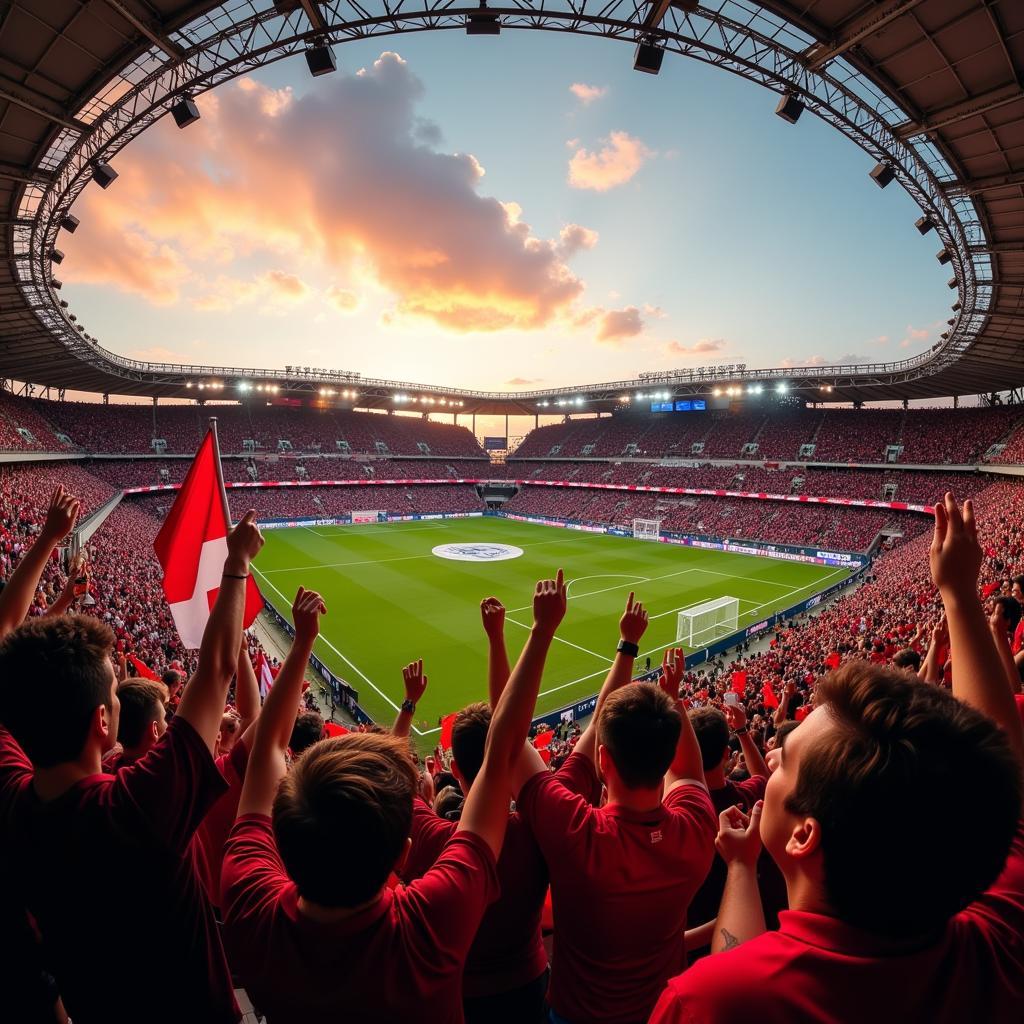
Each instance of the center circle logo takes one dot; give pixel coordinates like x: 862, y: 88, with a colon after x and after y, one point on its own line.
x: 477, y: 552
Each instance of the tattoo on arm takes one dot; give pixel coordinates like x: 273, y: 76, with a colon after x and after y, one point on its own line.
x: 731, y: 942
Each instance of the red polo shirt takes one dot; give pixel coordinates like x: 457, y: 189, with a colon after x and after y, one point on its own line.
x: 817, y: 969
x: 398, y: 960
x: 213, y: 832
x: 115, y: 853
x: 508, y: 951
x: 621, y: 882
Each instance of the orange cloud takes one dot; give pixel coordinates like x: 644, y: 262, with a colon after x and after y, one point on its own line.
x: 342, y: 299
x: 522, y: 382
x: 373, y: 197
x: 705, y: 345
x: 618, y: 324
x: 586, y: 94
x: 612, y: 165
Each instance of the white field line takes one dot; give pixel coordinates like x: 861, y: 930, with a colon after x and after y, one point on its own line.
x: 617, y: 586
x: 355, y: 668
x: 568, y: 643
x: 687, y: 607
x: 380, y: 561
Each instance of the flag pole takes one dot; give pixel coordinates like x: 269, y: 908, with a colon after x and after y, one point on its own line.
x: 220, y: 472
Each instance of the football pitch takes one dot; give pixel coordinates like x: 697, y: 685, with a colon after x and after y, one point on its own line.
x: 392, y: 600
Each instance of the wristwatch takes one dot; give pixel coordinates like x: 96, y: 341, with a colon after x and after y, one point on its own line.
x: 741, y: 731
x: 628, y: 647
x: 408, y: 707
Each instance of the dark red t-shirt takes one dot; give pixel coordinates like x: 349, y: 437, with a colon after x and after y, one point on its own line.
x: 114, y: 857
x: 214, y: 829
x: 818, y: 970
x: 621, y: 882
x: 399, y: 960
x: 508, y: 951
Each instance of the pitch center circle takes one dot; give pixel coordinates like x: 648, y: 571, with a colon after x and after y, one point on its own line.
x: 477, y: 552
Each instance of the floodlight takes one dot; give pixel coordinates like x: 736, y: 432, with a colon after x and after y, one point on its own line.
x: 956, y: 306
x: 482, y: 22
x: 57, y: 255
x: 648, y: 57
x: 951, y: 283
x: 69, y: 222
x: 924, y: 224
x: 883, y: 174
x: 185, y: 111
x: 789, y: 108
x: 103, y: 174
x: 944, y: 256
x: 54, y: 283
x: 320, y: 60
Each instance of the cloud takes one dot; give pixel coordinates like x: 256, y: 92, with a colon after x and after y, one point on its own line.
x: 882, y: 339
x: 522, y: 382
x: 853, y: 359
x: 914, y: 335
x: 701, y: 347
x: 573, y: 238
x: 160, y: 354
x: 586, y: 94
x: 342, y: 299
x: 612, y: 165
x: 805, y: 361
x: 615, y: 325
x: 374, y: 198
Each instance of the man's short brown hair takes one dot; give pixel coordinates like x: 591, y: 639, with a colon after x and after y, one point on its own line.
x: 712, y: 732
x: 469, y: 738
x: 141, y: 700
x: 342, y: 817
x: 55, y: 671
x: 918, y: 796
x: 639, y: 727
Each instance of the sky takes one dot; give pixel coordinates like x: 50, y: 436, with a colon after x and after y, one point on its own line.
x: 501, y: 213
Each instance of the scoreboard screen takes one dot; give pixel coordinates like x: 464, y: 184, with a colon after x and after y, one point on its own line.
x: 683, y: 405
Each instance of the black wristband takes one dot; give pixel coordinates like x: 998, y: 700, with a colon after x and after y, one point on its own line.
x: 233, y: 576
x: 742, y: 731
x: 408, y: 706
x: 628, y: 647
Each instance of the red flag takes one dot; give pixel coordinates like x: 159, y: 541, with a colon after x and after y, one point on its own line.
x: 768, y: 697
x: 543, y: 739
x: 192, y: 545
x: 833, y: 659
x: 545, y: 754
x: 264, y: 674
x: 447, y: 723
x: 333, y: 729
x: 739, y: 681
x: 702, y: 694
x: 142, y: 670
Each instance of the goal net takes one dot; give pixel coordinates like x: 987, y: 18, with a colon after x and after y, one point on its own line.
x: 366, y: 517
x: 646, y: 529
x: 705, y: 623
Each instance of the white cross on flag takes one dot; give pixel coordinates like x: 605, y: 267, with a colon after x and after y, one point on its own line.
x: 192, y: 546
x: 264, y: 673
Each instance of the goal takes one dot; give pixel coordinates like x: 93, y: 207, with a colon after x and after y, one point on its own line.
x: 647, y: 529
x: 371, y: 516
x: 705, y: 623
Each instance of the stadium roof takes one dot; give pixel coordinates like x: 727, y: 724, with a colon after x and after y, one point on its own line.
x: 933, y: 88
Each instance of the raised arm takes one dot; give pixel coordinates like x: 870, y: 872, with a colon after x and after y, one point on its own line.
x: 931, y: 669
x: 486, y: 809
x: 782, y: 711
x: 267, y: 764
x: 687, y: 766
x: 16, y: 597
x: 202, y: 702
x: 492, y: 611
x: 415, y: 686
x: 632, y: 627
x: 247, y: 692
x: 979, y: 678
x: 736, y: 717
x: 1001, y: 637
x: 77, y: 571
x: 740, y: 916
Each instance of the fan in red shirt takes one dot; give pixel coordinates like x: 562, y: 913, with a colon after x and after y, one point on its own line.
x: 88, y: 850
x: 312, y: 930
x: 622, y: 875
x: 506, y: 971
x: 895, y: 817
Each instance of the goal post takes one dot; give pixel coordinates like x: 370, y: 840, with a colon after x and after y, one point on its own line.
x: 705, y: 623
x: 366, y: 516
x: 646, y: 529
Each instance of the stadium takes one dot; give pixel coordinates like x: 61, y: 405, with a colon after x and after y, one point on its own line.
x: 776, y: 515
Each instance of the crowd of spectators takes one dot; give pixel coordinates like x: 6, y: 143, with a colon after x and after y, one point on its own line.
x: 798, y: 832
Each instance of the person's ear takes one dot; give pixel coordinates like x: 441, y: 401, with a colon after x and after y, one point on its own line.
x: 101, y: 723
x: 805, y: 840
x: 604, y: 761
x: 153, y: 730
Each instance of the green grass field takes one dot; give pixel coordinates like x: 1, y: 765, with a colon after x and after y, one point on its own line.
x: 390, y: 601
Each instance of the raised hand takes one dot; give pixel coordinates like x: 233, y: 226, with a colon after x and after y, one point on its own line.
x: 549, y: 604
x: 492, y: 611
x: 306, y: 611
x: 415, y: 681
x: 739, y: 836
x: 673, y: 665
x: 244, y: 543
x: 735, y: 716
x: 633, y: 623
x: 955, y: 554
x: 61, y: 515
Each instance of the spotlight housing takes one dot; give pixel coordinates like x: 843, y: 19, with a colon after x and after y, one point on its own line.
x: 69, y: 222
x: 57, y: 255
x: 483, y: 22
x: 789, y: 108
x: 883, y: 174
x: 185, y: 112
x: 103, y: 174
x: 648, y: 57
x: 924, y: 224
x: 944, y: 256
x: 320, y: 60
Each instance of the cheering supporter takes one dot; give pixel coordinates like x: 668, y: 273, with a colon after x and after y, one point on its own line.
x: 505, y: 977
x: 866, y: 915
x: 66, y: 826
x: 622, y: 875
x: 142, y: 720
x: 348, y: 803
